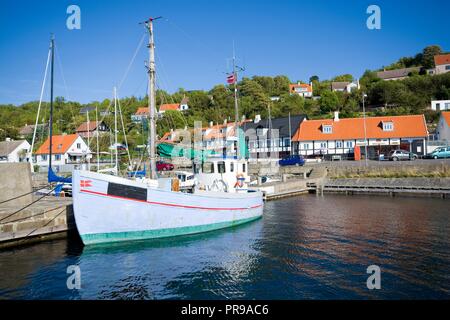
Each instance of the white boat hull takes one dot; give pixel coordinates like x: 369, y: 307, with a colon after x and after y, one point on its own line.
x: 110, y: 209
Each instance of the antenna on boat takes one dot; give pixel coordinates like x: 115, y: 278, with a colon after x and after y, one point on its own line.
x: 151, y: 96
x: 236, y: 69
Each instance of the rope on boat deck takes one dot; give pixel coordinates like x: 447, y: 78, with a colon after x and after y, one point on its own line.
x: 28, y: 205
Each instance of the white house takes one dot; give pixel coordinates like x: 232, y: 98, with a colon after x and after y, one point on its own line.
x: 66, y: 149
x: 442, y: 63
x: 14, y: 150
x: 302, y: 89
x: 328, y: 137
x: 440, y: 105
x: 443, y: 128
x: 344, y: 86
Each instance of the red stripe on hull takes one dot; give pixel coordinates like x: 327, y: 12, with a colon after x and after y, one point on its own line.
x: 166, y: 204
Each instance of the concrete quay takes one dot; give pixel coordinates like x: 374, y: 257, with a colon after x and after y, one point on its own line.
x: 50, y: 217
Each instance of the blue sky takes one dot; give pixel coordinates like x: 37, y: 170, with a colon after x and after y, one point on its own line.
x: 195, y: 39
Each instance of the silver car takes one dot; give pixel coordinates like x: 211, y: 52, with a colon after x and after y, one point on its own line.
x: 396, y: 155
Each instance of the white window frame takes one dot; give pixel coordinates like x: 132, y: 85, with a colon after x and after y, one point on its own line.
x: 326, y: 128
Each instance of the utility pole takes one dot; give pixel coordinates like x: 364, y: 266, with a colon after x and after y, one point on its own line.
x: 290, y: 134
x: 151, y: 97
x: 365, y: 130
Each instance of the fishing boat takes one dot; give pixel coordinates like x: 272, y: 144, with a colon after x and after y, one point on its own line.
x: 109, y: 208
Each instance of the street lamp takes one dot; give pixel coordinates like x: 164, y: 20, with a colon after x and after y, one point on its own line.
x: 365, y: 129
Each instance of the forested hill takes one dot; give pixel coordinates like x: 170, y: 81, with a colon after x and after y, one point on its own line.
x: 409, y: 96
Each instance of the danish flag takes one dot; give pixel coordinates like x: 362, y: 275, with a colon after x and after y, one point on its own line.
x: 85, y: 183
x: 231, y: 79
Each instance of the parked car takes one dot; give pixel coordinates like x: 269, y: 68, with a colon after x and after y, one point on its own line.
x: 439, y: 153
x: 397, y: 155
x: 164, y: 166
x: 294, y: 160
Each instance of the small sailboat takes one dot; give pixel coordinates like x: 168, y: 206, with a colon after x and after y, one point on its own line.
x: 110, y: 208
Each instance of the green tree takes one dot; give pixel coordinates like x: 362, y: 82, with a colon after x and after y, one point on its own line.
x: 329, y: 101
x: 428, y: 56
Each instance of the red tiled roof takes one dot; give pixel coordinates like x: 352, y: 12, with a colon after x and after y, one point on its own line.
x: 169, y: 106
x: 442, y: 59
x: 411, y: 126
x: 60, y: 144
x: 446, y: 116
x: 84, y: 126
x: 142, y: 111
x: 300, y: 85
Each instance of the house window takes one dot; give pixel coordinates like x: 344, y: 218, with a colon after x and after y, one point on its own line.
x: 327, y: 129
x: 306, y: 146
x: 338, y: 144
x: 44, y: 157
x: 388, y: 126
x: 57, y: 157
x: 287, y: 142
x: 323, y: 145
x: 78, y: 145
x: 349, y: 144
x: 447, y: 67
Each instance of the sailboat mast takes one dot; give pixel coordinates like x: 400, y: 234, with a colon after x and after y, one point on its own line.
x: 51, y: 103
x: 151, y: 98
x: 115, y: 132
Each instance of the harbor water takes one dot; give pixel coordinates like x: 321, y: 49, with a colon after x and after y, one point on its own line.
x: 304, y: 247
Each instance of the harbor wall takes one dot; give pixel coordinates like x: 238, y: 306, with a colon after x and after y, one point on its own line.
x: 15, y: 181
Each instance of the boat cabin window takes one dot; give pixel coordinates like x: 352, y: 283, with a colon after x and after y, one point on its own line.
x: 221, y: 167
x: 243, y: 167
x: 208, y: 167
x: 181, y: 177
x: 231, y: 166
x: 191, y: 177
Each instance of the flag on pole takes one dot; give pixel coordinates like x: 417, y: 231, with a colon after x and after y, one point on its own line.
x: 231, y: 79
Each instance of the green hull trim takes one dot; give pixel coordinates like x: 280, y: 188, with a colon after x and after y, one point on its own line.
x: 160, y: 233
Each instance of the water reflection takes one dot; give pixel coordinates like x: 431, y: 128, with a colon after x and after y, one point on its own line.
x: 304, y: 248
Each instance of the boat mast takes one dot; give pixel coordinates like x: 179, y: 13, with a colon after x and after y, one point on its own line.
x: 51, y: 104
x: 151, y: 98
x: 236, y: 105
x: 115, y: 132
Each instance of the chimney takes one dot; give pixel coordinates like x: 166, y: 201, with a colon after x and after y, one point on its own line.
x: 257, y: 118
x: 336, y: 116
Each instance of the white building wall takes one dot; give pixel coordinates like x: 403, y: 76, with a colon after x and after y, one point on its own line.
x: 440, y: 104
x: 14, y: 155
x: 444, y: 68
